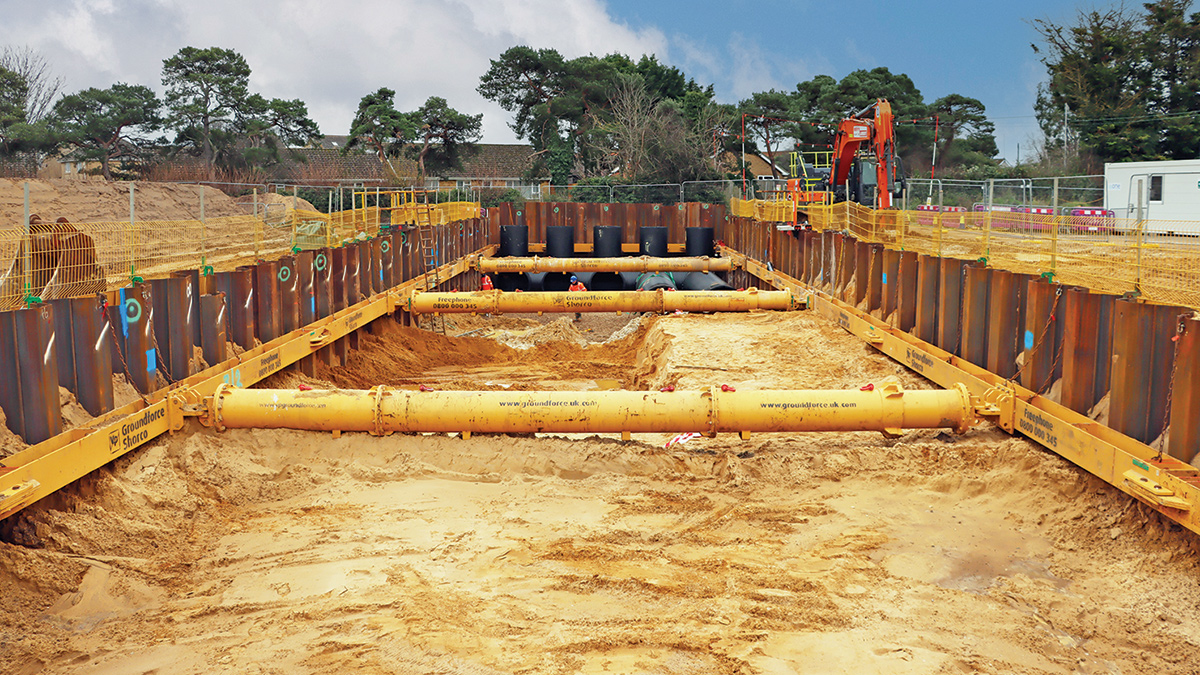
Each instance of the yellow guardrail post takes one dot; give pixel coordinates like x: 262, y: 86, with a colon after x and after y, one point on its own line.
x: 28, y: 260
x: 1054, y: 222
x: 987, y: 219
x: 203, y: 233
x: 1137, y: 273
x: 132, y: 237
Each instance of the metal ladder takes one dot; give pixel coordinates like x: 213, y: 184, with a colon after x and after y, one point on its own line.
x: 426, y: 240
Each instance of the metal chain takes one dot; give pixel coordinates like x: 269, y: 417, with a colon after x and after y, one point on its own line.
x: 1053, y: 367
x: 1037, y: 345
x: 1162, y: 436
x: 125, y: 366
x: 871, y: 275
x: 158, y: 358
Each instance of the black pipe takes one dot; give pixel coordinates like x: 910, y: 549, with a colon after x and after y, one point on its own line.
x: 653, y: 241
x: 629, y: 280
x: 557, y: 282
x: 703, y: 281
x: 606, y: 281
x: 654, y: 281
x: 606, y: 241
x: 560, y: 241
x: 537, y: 281
x: 514, y: 241
x: 511, y: 281
x: 700, y: 242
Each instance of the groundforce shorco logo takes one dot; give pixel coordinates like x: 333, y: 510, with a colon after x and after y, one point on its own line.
x: 134, y: 432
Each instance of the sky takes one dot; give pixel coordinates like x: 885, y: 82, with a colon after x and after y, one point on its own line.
x: 331, y: 54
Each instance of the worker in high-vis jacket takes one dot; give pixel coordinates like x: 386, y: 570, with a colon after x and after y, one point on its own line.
x: 576, y: 286
x: 485, y: 284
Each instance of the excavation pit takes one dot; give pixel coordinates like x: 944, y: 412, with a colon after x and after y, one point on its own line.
x: 287, y: 551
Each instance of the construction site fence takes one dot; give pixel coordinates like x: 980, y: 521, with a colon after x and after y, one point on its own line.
x: 1046, y: 192
x: 1153, y: 259
x: 770, y: 211
x: 709, y: 191
x: 73, y: 259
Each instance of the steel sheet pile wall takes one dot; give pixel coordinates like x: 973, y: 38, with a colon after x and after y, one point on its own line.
x: 1133, y: 366
x: 147, y: 332
x: 584, y: 217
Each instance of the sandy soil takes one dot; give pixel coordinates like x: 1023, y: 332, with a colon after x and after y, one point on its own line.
x: 287, y: 552
x: 273, y: 198
x: 82, y: 201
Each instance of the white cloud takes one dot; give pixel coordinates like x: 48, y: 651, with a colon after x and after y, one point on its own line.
x: 327, y: 54
x: 744, y: 66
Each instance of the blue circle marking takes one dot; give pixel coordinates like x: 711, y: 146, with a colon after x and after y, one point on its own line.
x: 1028, y: 339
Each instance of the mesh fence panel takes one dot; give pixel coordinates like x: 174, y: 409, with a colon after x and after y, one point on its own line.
x: 1104, y: 254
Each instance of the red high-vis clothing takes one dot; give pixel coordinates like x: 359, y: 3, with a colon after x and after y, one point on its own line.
x: 577, y: 286
x: 485, y: 284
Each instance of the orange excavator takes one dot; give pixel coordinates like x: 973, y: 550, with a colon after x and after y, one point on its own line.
x: 872, y: 176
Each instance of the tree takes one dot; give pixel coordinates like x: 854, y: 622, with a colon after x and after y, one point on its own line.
x: 378, y: 125
x: 266, y: 125
x: 965, y: 135
x: 18, y: 135
x: 1099, y: 71
x: 766, y: 117
x: 626, y: 138
x: 1171, y: 48
x: 205, y: 88
x: 444, y: 135
x: 568, y: 110
x: 824, y: 102
x: 13, y: 91
x: 41, y: 84
x: 102, y: 123
x: 525, y: 82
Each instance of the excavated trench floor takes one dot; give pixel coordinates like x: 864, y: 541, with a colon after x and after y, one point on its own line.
x: 293, y: 552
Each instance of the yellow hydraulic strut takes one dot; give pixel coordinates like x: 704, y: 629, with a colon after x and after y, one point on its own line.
x: 498, y: 302
x: 624, y: 264
x: 886, y: 407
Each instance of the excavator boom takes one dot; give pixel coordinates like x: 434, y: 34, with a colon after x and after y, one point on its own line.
x: 874, y: 126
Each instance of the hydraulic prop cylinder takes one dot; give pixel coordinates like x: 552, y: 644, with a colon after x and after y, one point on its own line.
x: 498, y: 302
x: 886, y: 407
x: 624, y: 264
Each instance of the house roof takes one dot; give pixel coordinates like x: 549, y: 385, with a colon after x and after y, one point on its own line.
x: 333, y: 142
x: 495, y: 161
x: 331, y: 164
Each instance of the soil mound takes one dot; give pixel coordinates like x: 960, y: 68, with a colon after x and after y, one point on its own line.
x: 95, y: 200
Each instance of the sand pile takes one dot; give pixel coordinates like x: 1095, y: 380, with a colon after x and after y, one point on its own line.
x: 293, y: 552
x: 95, y: 200
x: 247, y: 201
x: 409, y: 357
x: 561, y: 330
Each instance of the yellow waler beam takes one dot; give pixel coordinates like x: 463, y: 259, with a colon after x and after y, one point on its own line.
x: 498, y: 302
x: 638, y: 264
x: 39, y: 470
x: 887, y: 408
x: 1165, y: 484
